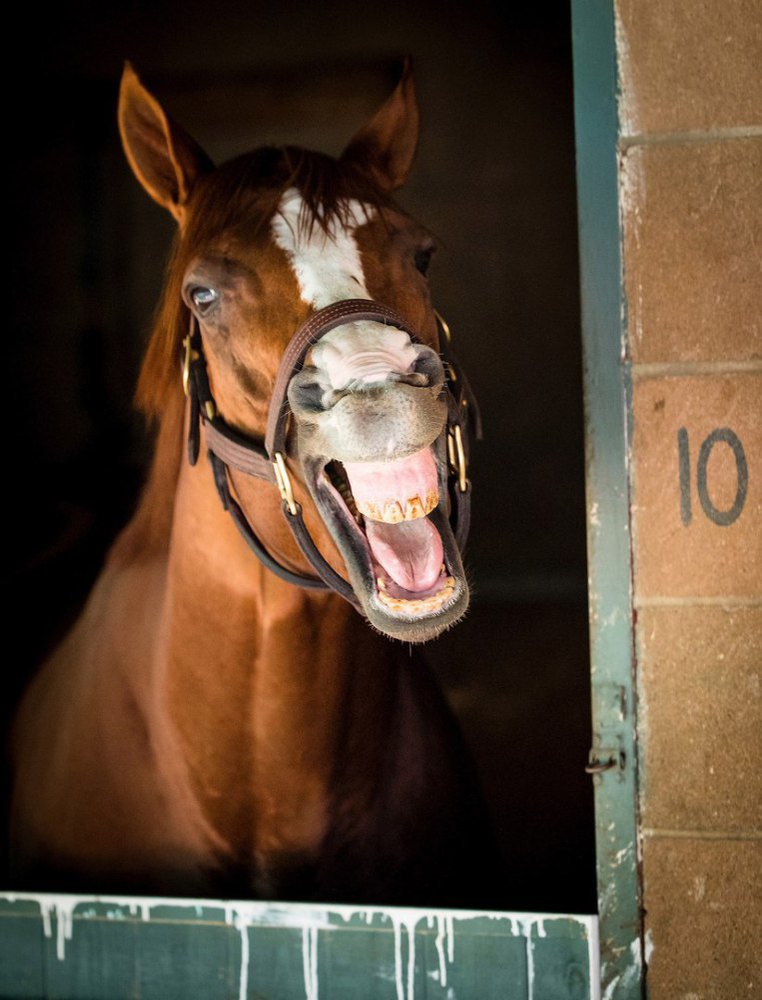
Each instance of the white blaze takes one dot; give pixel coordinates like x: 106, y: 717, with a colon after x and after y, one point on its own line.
x: 328, y: 268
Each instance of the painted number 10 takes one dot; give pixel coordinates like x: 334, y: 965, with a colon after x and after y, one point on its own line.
x: 721, y: 517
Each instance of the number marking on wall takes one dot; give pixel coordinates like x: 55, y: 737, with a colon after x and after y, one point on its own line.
x: 723, y: 518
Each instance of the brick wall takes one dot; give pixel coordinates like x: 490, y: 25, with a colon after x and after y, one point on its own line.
x: 691, y: 211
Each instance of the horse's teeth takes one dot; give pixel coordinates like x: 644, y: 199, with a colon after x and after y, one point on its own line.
x: 413, y: 509
x: 430, y: 501
x: 393, y: 511
x: 348, y: 498
x: 419, y: 605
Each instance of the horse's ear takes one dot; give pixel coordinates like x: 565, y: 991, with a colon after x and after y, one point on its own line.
x: 164, y: 158
x: 385, y: 147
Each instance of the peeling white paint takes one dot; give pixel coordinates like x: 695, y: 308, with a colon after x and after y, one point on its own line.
x: 404, y: 921
x: 626, y: 979
x: 632, y: 201
x: 649, y: 945
x: 594, y: 958
x: 310, y: 960
x: 238, y: 920
x: 64, y: 924
x: 635, y: 954
x: 522, y: 926
x: 310, y: 920
x: 445, y: 928
x: 622, y: 854
x: 610, y: 989
x: 404, y: 924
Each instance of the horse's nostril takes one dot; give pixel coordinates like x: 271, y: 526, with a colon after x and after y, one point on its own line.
x: 428, y: 365
x: 306, y: 395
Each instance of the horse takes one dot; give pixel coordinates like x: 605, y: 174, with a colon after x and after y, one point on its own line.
x: 217, y: 724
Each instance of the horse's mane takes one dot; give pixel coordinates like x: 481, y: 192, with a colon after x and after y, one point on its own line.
x: 251, y: 185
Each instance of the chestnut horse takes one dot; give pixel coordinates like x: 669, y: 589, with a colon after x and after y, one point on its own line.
x: 210, y: 726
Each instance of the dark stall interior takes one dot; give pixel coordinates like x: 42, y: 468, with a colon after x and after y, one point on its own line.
x: 494, y: 178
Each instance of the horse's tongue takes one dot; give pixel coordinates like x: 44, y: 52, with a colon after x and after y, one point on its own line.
x: 411, y: 552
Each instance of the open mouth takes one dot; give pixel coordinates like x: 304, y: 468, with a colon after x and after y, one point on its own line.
x: 390, y: 521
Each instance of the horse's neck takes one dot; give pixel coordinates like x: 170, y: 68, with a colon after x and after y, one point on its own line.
x: 260, y: 677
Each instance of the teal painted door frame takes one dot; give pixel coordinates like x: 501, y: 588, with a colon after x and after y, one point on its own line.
x: 607, y: 437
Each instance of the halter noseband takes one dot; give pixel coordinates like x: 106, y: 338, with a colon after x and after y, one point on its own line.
x: 228, y: 447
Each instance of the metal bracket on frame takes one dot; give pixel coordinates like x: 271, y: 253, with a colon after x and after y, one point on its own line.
x: 605, y: 759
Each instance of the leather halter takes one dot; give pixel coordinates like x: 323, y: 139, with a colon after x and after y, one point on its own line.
x: 228, y: 447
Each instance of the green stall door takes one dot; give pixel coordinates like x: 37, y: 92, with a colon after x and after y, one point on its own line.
x: 59, y: 946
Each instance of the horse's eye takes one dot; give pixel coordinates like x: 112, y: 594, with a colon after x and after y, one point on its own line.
x: 203, y: 298
x: 423, y: 258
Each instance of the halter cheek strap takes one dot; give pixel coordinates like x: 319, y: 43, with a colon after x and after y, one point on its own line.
x: 229, y: 448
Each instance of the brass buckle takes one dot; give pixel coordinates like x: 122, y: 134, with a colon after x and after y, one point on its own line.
x: 190, y: 356
x: 284, y: 483
x: 457, y: 456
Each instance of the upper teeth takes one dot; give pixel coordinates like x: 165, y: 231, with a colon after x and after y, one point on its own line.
x: 393, y: 511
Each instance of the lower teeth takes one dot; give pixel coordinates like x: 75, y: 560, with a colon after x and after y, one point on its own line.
x: 431, y: 603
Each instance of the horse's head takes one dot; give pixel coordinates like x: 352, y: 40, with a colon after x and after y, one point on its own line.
x: 267, y: 240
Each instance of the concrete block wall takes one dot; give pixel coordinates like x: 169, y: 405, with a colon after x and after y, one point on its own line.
x: 690, y: 190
